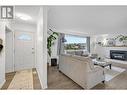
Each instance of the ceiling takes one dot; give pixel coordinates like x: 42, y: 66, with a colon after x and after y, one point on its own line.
x: 28, y: 11
x: 88, y: 19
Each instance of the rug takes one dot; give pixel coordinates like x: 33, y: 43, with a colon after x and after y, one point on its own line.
x: 112, y: 73
x: 22, y: 80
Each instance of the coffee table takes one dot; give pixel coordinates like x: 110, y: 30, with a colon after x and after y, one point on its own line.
x: 102, y: 63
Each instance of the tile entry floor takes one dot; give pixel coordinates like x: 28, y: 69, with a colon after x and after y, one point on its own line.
x: 10, y: 76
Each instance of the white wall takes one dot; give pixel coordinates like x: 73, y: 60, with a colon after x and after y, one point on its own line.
x: 24, y: 26
x: 54, y: 49
x: 41, y: 64
x: 3, y: 23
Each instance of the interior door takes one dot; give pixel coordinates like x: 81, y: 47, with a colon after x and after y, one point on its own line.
x: 24, y: 50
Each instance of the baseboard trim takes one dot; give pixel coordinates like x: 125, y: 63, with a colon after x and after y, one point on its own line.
x: 2, y: 84
x: 42, y: 86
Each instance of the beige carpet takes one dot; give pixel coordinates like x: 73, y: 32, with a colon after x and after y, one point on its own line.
x: 112, y: 73
x: 22, y: 80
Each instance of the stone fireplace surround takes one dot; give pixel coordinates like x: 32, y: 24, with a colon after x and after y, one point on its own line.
x: 104, y: 52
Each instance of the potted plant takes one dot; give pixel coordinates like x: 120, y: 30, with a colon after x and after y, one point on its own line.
x: 122, y: 39
x: 50, y: 41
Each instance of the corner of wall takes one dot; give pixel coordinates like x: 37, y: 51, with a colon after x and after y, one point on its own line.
x: 2, y: 83
x: 41, y: 47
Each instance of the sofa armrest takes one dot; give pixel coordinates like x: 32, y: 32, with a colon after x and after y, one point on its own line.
x: 96, y: 70
x: 95, y: 76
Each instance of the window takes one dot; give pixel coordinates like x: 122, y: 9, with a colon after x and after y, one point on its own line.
x: 76, y: 44
x: 24, y: 37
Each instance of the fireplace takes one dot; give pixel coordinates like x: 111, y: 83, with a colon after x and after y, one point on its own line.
x: 119, y: 55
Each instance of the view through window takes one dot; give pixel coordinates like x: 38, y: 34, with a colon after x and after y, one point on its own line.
x: 75, y: 44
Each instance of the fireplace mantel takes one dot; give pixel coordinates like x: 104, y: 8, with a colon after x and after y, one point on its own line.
x: 105, y: 51
x: 116, y: 46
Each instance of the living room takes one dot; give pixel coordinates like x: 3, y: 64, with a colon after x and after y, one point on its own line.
x: 67, y: 47
x: 104, y: 29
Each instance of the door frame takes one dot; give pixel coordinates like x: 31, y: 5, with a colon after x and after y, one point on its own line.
x: 6, y: 71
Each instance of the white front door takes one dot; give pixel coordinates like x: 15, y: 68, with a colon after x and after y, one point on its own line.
x: 24, y: 50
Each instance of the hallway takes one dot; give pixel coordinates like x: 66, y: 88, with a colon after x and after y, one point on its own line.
x: 23, y: 80
x: 22, y: 42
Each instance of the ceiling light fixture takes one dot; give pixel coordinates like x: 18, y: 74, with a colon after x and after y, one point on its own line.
x: 23, y: 16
